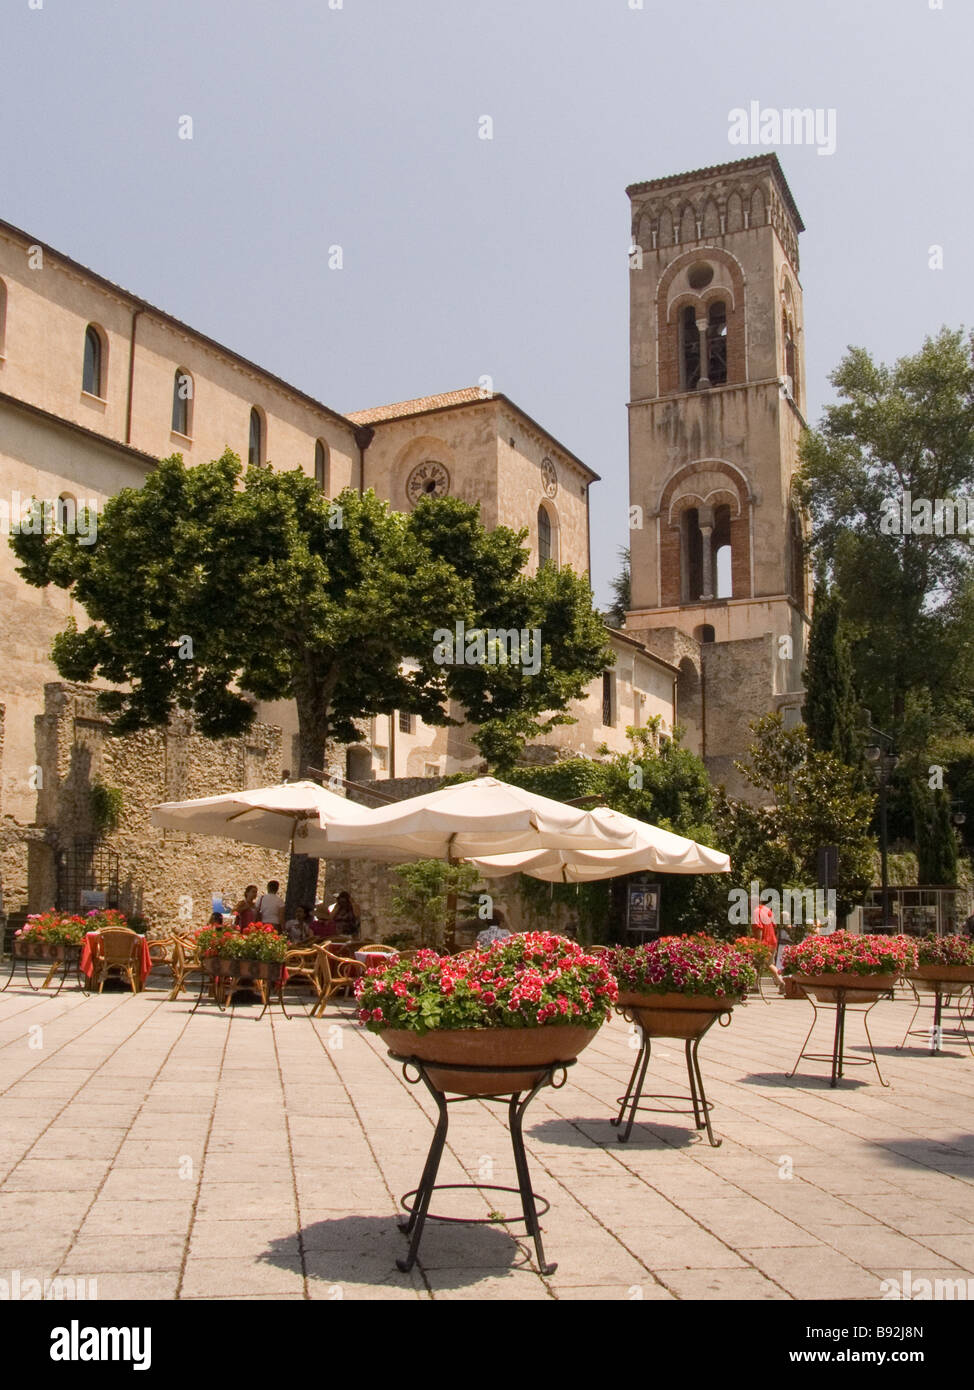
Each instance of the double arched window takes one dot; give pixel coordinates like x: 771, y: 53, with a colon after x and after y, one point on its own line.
x: 182, y: 403
x: 93, y: 371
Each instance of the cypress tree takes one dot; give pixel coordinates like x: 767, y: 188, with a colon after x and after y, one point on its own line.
x: 831, y: 710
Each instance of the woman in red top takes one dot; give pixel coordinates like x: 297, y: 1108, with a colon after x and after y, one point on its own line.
x: 246, y: 912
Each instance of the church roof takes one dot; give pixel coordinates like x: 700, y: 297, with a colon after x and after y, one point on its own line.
x: 768, y: 161
x: 452, y: 400
x: 398, y: 410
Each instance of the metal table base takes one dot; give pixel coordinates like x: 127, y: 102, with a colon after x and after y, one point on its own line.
x: 944, y: 992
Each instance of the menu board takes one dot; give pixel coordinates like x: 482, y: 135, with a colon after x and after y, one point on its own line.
x: 642, y: 907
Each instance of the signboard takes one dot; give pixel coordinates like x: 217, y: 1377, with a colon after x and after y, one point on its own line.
x: 93, y: 899
x: 642, y: 907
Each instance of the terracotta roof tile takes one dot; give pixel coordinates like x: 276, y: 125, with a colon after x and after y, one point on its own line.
x: 400, y: 409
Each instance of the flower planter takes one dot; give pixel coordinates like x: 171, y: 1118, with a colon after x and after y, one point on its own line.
x: 859, y: 989
x: 533, y: 1048
x: 43, y: 950
x: 927, y: 978
x: 675, y: 1015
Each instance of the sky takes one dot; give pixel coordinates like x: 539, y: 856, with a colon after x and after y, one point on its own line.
x: 358, y: 123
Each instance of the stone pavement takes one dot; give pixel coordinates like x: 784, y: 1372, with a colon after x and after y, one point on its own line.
x: 211, y: 1156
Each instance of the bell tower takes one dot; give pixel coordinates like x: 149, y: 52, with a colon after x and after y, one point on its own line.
x: 717, y: 391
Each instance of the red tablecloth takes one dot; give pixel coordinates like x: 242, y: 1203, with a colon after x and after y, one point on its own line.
x: 143, y: 964
x: 370, y: 958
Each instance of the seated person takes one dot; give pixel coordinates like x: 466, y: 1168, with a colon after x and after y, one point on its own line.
x: 343, y: 916
x: 495, y: 930
x: 298, y: 927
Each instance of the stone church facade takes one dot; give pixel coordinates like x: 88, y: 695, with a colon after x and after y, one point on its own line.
x: 96, y: 385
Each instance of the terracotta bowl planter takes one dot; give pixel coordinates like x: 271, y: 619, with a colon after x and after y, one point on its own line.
x: 532, y: 1048
x: 927, y: 977
x: 825, y: 987
x: 674, y: 1015
x: 43, y: 950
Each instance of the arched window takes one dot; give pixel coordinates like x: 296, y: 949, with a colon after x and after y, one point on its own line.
x: 255, y: 451
x: 321, y: 465
x: 720, y: 542
x: 3, y: 315
x: 92, y: 374
x: 797, y: 557
x: 791, y: 353
x: 691, y: 555
x: 717, y: 344
x: 66, y: 515
x: 544, y: 537
x: 182, y: 402
x: 689, y: 349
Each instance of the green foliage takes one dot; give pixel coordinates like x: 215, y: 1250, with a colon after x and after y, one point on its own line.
x: 813, y: 800
x: 831, y: 712
x: 422, y: 898
x: 621, y: 591
x: 658, y: 781
x: 212, y: 584
x: 935, y: 838
x: 106, y: 807
x: 908, y: 597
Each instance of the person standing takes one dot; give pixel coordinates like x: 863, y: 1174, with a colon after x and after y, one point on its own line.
x: 245, y: 912
x: 270, y: 907
x: 763, y: 930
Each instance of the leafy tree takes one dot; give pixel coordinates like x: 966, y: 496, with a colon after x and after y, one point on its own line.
x: 658, y: 781
x: 621, y: 591
x: 831, y: 712
x: 937, y: 857
x: 813, y: 800
x: 213, y: 586
x: 897, y: 431
x: 427, y: 888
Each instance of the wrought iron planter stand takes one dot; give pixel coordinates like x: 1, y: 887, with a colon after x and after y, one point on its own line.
x: 837, y: 1056
x: 213, y: 971
x: 71, y: 956
x: 701, y: 1106
x: 944, y: 992
x: 417, y: 1201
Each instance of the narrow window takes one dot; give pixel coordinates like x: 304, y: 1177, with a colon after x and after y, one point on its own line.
x: 321, y: 466
x: 607, y: 712
x: 689, y: 349
x: 717, y: 344
x: 66, y: 514
x: 405, y: 722
x: 255, y: 453
x: 691, y: 556
x: 544, y: 537
x: 91, y: 376
x: 720, y: 541
x: 3, y: 315
x: 182, y: 396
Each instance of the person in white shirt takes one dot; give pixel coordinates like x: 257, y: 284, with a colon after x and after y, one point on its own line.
x: 270, y: 906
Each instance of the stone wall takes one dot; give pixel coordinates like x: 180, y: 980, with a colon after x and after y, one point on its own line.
x: 168, y: 876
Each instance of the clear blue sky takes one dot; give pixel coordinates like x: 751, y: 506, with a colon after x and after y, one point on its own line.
x: 462, y: 257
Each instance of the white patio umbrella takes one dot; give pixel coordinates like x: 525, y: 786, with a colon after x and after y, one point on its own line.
x: 655, y: 851
x: 483, y: 816
x: 276, y: 817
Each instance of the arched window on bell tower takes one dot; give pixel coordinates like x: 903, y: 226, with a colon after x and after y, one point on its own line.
x: 717, y: 343
x: 791, y: 353
x: 797, y: 558
x: 721, y: 545
x: 689, y: 349
x: 691, y: 556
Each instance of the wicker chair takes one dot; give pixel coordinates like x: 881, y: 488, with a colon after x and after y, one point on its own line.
x: 337, y: 975
x: 303, y: 966
x: 118, y: 952
x: 185, y: 963
x: 162, y: 952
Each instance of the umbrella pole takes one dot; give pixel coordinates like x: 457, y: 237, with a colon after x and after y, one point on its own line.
x: 450, y: 937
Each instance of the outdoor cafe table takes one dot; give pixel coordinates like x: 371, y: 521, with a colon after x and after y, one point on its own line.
x: 87, y: 962
x: 371, y: 958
